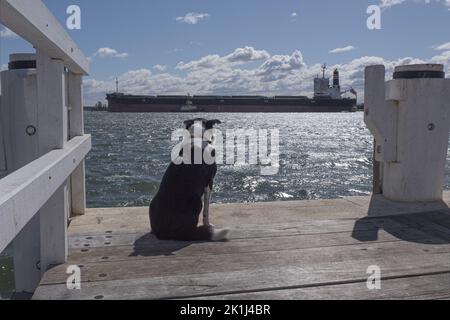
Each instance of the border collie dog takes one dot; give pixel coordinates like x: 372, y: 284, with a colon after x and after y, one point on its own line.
x: 184, y: 191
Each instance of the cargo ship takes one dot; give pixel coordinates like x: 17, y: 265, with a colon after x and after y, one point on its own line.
x: 326, y: 99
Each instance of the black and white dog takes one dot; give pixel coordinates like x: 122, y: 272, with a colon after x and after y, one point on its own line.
x: 176, y: 208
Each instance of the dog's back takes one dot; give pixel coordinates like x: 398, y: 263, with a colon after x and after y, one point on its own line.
x: 175, y: 210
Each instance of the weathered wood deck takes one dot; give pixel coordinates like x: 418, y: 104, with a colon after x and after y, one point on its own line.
x: 284, y: 250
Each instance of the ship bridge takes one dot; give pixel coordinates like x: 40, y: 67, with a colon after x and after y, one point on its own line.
x: 322, y: 88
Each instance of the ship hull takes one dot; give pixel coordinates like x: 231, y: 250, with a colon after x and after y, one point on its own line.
x: 141, y: 104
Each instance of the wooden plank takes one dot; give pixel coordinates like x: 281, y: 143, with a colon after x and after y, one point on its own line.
x: 378, y: 253
x: 429, y: 287
x: 24, y: 192
x: 365, y: 229
x: 133, y: 220
x: 138, y: 222
x: 230, y: 281
x: 436, y: 224
x: 112, y: 248
x: 35, y: 23
x: 256, y: 213
x: 380, y: 206
x: 113, y: 226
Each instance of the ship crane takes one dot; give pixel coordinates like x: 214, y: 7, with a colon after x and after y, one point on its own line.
x: 352, y: 91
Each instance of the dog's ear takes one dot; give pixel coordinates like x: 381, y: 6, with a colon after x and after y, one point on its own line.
x: 189, y: 123
x: 211, y: 123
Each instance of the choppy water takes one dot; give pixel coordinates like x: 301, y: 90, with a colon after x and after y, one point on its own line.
x: 321, y: 156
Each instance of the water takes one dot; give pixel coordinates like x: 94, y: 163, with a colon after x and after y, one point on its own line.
x: 6, y: 274
x: 321, y: 156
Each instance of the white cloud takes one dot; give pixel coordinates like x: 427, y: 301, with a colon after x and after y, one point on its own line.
x: 344, y: 49
x: 274, y: 75
x: 247, y: 54
x: 6, y: 33
x: 195, y: 43
x: 442, y: 58
x: 391, y: 3
x: 444, y: 46
x: 109, y: 53
x: 280, y: 66
x: 160, y: 67
x: 192, y: 17
x: 294, y: 16
x: 239, y: 56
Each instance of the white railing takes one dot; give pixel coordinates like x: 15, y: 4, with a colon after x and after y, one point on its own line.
x: 37, y: 199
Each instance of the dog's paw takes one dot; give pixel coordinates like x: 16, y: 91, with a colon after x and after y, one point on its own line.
x: 220, y: 235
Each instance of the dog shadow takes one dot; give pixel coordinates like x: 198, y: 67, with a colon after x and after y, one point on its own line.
x: 150, y: 246
x: 427, y: 224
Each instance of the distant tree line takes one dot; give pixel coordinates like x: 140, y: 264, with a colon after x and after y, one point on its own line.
x: 99, y: 106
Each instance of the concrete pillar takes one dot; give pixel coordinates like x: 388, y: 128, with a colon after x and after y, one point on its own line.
x: 410, y: 119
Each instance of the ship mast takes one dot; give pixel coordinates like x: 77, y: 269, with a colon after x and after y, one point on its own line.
x: 117, y: 85
x: 324, y: 68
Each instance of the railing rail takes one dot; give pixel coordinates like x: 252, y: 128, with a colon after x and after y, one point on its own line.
x: 35, y: 23
x: 24, y: 192
x: 44, y: 184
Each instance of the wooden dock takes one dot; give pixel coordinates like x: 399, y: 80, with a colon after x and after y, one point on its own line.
x: 283, y: 250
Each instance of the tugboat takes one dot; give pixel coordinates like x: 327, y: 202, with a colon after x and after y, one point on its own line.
x: 189, y: 106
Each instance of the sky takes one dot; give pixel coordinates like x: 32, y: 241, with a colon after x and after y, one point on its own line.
x: 244, y: 46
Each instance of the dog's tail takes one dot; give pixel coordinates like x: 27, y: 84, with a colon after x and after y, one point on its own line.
x: 205, y: 233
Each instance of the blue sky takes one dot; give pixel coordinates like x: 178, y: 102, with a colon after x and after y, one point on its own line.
x: 286, y: 42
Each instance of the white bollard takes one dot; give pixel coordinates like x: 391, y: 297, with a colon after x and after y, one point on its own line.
x: 410, y: 119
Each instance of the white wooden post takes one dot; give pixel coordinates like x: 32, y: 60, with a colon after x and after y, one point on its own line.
x: 18, y: 111
x: 53, y: 225
x: 53, y: 132
x: 76, y: 124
